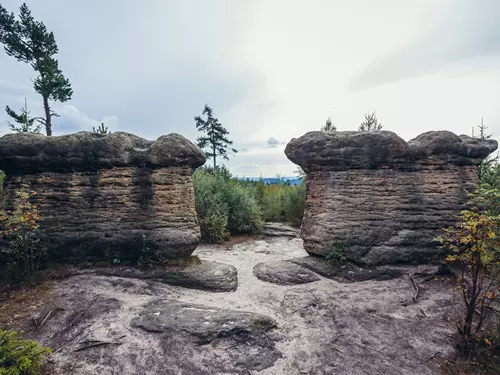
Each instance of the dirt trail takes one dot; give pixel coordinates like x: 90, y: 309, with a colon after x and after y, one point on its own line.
x: 324, y: 327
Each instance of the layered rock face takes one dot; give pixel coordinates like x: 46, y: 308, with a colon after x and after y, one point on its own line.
x: 380, y: 198
x: 104, y: 197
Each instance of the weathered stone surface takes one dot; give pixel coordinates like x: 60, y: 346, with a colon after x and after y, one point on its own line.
x: 210, y: 276
x: 385, y: 197
x: 280, y: 230
x: 346, y: 273
x: 284, y: 273
x: 202, y: 322
x: 105, y: 197
x: 187, y: 326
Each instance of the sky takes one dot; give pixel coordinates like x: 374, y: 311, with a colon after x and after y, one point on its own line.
x: 271, y: 70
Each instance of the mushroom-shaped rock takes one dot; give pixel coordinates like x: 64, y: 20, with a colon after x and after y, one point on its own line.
x: 383, y: 197
x: 107, y: 196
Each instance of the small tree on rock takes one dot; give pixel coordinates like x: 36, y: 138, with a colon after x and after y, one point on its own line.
x: 29, y: 41
x: 215, y: 139
x: 101, y: 129
x: 370, y: 124
x: 329, y: 127
x: 25, y: 123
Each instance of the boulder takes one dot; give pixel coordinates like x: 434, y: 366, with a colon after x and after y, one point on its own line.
x: 280, y: 230
x: 284, y: 273
x: 385, y: 198
x: 209, y: 276
x: 238, y: 340
x: 107, y: 196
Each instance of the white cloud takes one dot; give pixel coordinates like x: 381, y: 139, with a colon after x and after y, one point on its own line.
x: 271, y: 70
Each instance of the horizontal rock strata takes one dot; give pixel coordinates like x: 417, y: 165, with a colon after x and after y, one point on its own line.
x: 209, y: 276
x: 105, y: 197
x: 284, y: 273
x: 381, y: 198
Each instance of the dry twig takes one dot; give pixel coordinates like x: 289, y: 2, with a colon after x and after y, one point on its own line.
x: 415, y: 296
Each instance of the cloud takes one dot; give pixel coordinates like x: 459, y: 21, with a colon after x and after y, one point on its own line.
x: 270, y: 71
x: 273, y: 142
x: 469, y: 33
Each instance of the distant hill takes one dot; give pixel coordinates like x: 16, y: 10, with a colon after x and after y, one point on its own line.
x: 273, y: 180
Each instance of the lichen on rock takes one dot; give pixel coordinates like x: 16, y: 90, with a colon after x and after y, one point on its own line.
x: 387, y: 197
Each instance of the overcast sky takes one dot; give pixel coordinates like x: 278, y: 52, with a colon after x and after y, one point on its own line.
x: 271, y: 70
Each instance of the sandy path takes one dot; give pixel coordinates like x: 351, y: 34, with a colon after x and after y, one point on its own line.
x: 324, y: 327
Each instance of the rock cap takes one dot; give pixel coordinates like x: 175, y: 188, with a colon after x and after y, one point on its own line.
x: 84, y: 151
x: 372, y: 150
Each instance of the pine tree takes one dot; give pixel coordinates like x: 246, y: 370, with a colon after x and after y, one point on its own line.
x: 101, y: 129
x: 482, y: 131
x: 215, y: 137
x: 26, y: 124
x: 329, y: 127
x: 370, y: 124
x: 29, y: 41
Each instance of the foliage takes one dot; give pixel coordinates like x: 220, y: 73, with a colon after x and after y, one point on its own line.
x: 20, y: 357
x: 336, y: 250
x: 370, y: 123
x: 26, y: 124
x: 300, y: 172
x: 29, y: 41
x: 475, y: 243
x: 20, y: 229
x: 215, y: 138
x: 224, y: 206
x: 329, y: 127
x: 2, y: 179
x: 101, y: 129
x: 281, y: 201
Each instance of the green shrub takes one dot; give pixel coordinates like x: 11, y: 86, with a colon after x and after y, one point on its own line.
x: 335, y: 252
x: 20, y: 357
x: 295, y: 200
x: 224, y: 206
x: 19, y: 229
x: 282, y: 202
x: 2, y: 178
x: 244, y: 214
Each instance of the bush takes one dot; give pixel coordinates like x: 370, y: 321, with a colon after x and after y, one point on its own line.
x: 20, y: 357
x: 475, y: 243
x: 281, y: 202
x: 224, y: 206
x: 2, y: 178
x: 20, y: 231
x: 335, y: 252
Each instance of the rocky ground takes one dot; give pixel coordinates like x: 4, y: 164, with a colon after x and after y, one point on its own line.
x: 283, y: 318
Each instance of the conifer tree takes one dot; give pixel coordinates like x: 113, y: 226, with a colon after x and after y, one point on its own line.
x: 28, y: 41
x: 329, y: 127
x: 101, y: 129
x: 370, y: 124
x: 25, y: 123
x: 214, y: 138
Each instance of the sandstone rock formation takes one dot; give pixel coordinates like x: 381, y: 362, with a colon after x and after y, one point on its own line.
x: 105, y: 197
x: 284, y: 273
x: 383, y: 197
x: 209, y: 276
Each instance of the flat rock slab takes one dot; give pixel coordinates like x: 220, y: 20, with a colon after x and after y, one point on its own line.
x: 210, y: 276
x: 284, y: 273
x: 280, y: 230
x: 347, y: 272
x: 238, y: 339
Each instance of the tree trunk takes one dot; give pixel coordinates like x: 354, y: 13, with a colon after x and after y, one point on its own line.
x: 48, y: 117
x: 215, y: 163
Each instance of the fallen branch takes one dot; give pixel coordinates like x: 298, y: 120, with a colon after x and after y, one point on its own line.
x: 99, y: 343
x: 415, y: 296
x: 47, y: 317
